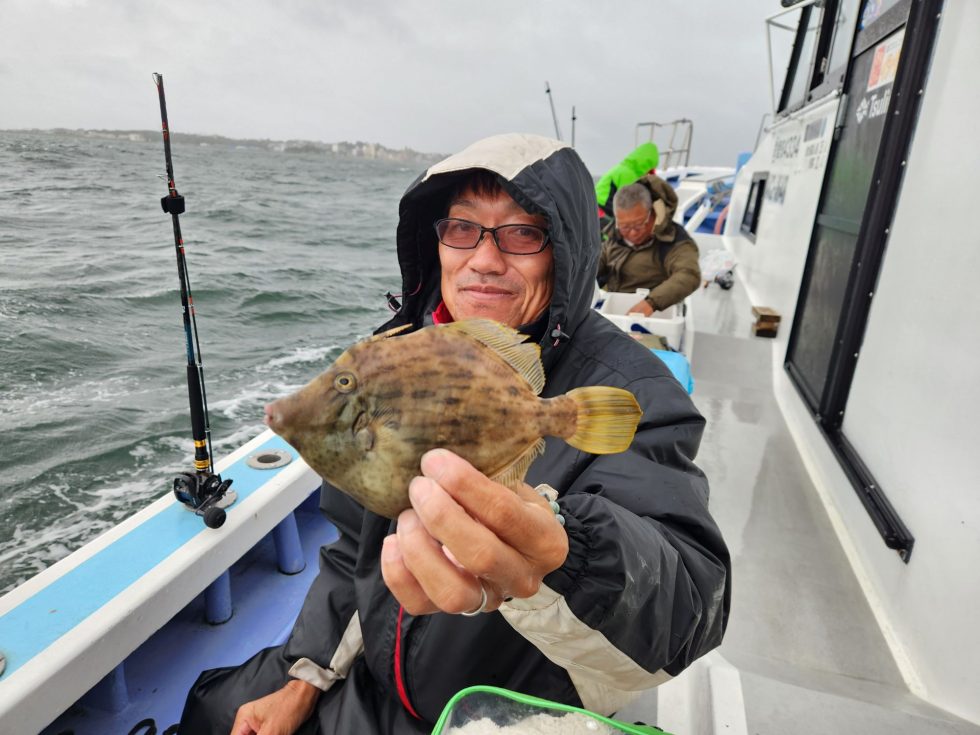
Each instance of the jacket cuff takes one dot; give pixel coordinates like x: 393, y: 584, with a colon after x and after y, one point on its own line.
x: 542, y: 599
x: 306, y: 670
x: 650, y: 300
x: 568, y: 577
x: 350, y: 647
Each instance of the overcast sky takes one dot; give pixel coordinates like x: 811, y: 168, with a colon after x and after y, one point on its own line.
x: 433, y: 76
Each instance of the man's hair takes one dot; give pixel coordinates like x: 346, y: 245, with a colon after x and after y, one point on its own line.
x: 480, y: 181
x: 629, y: 196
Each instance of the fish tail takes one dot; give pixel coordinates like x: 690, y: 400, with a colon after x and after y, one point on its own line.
x: 607, y: 419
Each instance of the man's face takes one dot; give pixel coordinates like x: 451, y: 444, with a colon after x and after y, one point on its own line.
x: 487, y: 283
x: 636, y: 223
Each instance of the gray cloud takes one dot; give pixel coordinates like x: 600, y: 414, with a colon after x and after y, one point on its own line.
x: 411, y: 73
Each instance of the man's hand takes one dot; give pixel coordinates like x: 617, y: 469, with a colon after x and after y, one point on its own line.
x: 279, y: 713
x: 464, y: 531
x: 643, y: 307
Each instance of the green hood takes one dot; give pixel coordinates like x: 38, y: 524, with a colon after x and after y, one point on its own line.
x: 640, y: 161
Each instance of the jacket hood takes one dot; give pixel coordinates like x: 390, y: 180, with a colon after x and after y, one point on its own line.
x: 642, y: 159
x: 664, y: 204
x: 545, y: 177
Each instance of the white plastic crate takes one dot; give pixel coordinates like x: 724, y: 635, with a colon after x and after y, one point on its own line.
x: 668, y: 324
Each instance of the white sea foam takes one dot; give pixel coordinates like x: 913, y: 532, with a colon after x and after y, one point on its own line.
x: 45, y: 397
x: 31, y: 548
x: 227, y: 444
x: 302, y: 355
x: 142, y: 451
x: 249, y: 402
x: 80, y: 314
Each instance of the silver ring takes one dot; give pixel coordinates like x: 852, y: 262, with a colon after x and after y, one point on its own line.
x: 483, y: 603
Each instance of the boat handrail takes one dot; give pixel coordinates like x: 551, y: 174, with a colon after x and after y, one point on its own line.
x: 74, y: 623
x: 676, y: 149
x: 770, y: 23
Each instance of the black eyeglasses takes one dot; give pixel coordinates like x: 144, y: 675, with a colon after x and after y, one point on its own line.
x: 462, y: 234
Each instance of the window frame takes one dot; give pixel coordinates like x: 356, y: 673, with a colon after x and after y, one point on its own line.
x: 753, y: 205
x: 820, y: 80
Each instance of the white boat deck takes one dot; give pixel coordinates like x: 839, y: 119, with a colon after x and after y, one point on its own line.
x: 803, y: 652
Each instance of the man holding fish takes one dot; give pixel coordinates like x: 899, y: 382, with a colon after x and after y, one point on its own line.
x: 580, y: 567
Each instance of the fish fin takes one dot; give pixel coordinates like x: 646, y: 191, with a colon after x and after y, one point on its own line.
x: 607, y: 419
x: 389, y: 333
x: 524, y: 357
x: 513, y: 474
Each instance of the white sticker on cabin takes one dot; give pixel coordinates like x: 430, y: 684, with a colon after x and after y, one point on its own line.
x: 884, y: 65
x: 873, y: 106
x: 786, y: 147
x: 775, y: 190
x: 815, y: 142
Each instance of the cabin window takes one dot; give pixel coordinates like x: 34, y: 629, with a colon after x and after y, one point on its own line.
x: 801, y: 59
x: 823, y: 36
x: 841, y: 32
x: 874, y: 9
x: 826, y: 354
x: 753, y: 207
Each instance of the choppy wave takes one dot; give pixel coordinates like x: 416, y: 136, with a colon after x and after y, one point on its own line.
x: 289, y: 257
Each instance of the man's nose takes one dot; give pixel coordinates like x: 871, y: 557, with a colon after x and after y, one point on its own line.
x: 486, y: 257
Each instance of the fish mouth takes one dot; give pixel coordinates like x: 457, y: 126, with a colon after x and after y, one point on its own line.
x: 273, y: 417
x: 277, y: 418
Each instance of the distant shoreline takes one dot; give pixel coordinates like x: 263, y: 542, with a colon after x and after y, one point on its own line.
x: 344, y: 149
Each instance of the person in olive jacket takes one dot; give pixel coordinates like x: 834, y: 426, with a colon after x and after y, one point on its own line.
x: 647, y: 249
x: 615, y: 588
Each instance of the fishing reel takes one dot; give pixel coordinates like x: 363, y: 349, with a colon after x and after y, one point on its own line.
x: 203, y: 494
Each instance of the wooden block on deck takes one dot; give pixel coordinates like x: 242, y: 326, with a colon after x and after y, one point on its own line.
x: 765, y: 315
x: 765, y: 330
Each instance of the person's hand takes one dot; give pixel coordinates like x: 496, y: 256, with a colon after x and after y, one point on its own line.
x: 279, y: 713
x: 464, y: 531
x: 643, y: 307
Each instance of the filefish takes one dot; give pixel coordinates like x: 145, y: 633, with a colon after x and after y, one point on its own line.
x: 470, y: 386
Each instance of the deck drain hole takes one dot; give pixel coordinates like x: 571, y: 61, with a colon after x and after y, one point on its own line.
x: 269, y: 459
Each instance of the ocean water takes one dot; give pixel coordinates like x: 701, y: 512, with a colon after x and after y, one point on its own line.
x: 289, y: 255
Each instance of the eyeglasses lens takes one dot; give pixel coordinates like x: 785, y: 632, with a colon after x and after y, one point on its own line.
x: 516, y: 239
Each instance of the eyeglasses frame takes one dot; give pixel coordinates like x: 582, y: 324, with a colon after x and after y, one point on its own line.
x: 493, y: 235
x: 637, y: 227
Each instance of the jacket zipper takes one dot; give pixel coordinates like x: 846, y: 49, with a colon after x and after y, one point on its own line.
x: 399, y: 678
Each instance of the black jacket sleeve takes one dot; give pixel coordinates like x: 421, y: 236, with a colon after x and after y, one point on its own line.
x: 330, y: 602
x: 646, y: 586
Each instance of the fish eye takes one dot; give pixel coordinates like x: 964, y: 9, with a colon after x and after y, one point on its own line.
x: 345, y: 382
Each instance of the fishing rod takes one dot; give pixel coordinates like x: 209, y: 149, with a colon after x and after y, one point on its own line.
x: 202, y: 491
x: 547, y: 91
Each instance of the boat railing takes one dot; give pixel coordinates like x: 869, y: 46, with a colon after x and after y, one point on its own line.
x: 772, y: 22
x: 73, y: 625
x: 677, y: 152
x: 700, y: 191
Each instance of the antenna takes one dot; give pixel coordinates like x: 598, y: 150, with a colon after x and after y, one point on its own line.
x: 573, y: 126
x: 547, y: 91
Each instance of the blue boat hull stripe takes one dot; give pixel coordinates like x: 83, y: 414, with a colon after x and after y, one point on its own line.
x: 37, y: 622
